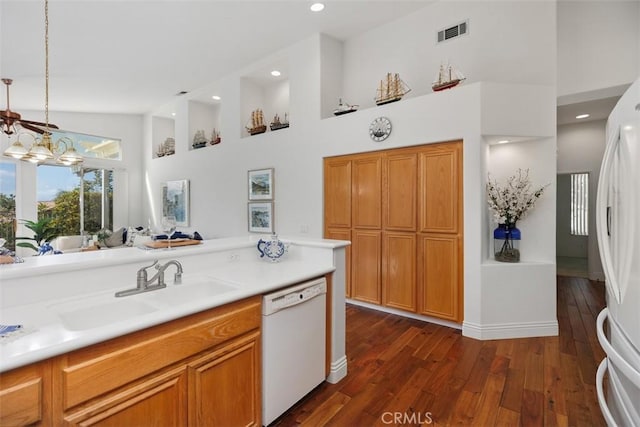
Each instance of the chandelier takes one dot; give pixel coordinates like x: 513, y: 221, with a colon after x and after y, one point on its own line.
x: 44, y: 148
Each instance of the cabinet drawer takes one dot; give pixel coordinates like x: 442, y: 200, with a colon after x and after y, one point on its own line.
x: 98, y: 369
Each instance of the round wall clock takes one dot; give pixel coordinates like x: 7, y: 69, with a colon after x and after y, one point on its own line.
x: 380, y: 129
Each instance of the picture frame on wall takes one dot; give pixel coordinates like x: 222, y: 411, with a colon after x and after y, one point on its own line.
x: 175, y: 201
x: 261, y: 184
x: 260, y: 217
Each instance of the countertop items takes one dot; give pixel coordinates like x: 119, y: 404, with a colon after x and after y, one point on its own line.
x: 68, y: 300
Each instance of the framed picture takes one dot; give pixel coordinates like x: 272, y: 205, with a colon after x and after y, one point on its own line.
x: 260, y: 217
x: 261, y: 184
x: 175, y: 201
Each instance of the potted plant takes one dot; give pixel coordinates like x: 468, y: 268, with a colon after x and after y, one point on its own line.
x: 43, y: 234
x: 510, y: 203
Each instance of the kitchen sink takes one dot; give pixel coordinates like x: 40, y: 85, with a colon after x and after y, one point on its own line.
x: 101, y: 314
x: 188, y: 292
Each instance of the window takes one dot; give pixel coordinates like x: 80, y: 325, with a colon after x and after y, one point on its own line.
x: 580, y: 204
x: 8, y: 204
x: 77, y: 200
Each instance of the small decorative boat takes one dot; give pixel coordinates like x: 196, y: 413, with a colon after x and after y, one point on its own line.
x: 277, y: 124
x: 391, y: 89
x: 344, y: 108
x: 199, y: 140
x: 447, y: 78
x: 215, y: 137
x: 257, y: 123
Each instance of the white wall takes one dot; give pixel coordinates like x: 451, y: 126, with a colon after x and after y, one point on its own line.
x: 508, y: 42
x: 580, y: 149
x: 598, y: 45
x: 218, y: 174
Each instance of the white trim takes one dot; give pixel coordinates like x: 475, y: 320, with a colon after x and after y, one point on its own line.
x: 509, y: 330
x: 429, y: 319
x: 338, y: 370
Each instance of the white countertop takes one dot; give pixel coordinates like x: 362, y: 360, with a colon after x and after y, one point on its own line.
x: 47, y: 334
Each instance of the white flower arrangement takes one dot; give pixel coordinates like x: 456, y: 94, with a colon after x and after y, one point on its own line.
x: 511, y: 202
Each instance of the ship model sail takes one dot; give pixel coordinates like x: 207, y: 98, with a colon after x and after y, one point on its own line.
x: 257, y: 123
x: 447, y: 78
x: 391, y: 89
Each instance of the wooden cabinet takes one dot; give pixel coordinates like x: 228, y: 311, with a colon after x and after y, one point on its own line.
x: 24, y: 395
x: 440, y: 190
x: 366, y: 192
x: 405, y: 226
x: 399, y: 270
x: 365, y: 266
x: 438, y: 276
x: 224, y: 385
x: 337, y: 203
x: 399, y: 191
x: 202, y: 369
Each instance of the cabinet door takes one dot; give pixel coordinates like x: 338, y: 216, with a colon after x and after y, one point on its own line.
x: 337, y: 193
x: 399, y: 270
x: 400, y: 177
x: 159, y: 401
x: 365, y: 266
x: 224, y: 386
x: 439, y: 188
x: 342, y: 234
x: 439, y: 274
x: 25, y: 396
x: 366, y: 192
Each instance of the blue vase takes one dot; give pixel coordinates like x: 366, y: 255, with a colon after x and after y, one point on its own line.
x: 506, y: 243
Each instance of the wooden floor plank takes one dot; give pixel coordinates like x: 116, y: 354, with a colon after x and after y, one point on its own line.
x: 400, y: 367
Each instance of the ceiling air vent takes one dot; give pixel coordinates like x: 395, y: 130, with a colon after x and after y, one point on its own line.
x: 452, y: 32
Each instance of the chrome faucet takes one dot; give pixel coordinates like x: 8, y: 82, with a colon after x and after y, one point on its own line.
x: 144, y: 284
x: 177, y: 278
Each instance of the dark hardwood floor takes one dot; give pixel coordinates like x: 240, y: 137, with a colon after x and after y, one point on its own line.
x: 407, y: 372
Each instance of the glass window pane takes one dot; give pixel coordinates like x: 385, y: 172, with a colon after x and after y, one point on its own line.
x: 8, y: 204
x: 580, y: 204
x: 58, y: 196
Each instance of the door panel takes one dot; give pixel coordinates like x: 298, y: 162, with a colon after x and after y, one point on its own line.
x: 399, y: 270
x: 366, y: 192
x: 337, y: 193
x: 440, y: 192
x: 399, y: 195
x: 365, y: 268
x: 438, y: 276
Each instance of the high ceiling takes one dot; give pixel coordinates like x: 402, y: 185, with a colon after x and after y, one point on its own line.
x: 133, y: 56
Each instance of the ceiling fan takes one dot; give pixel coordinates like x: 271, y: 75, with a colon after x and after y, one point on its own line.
x: 8, y: 118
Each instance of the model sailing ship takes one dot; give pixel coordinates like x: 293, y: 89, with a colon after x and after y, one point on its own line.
x: 215, y: 137
x: 199, y: 140
x: 277, y: 124
x: 447, y: 78
x: 391, y: 90
x: 257, y: 123
x: 344, y: 108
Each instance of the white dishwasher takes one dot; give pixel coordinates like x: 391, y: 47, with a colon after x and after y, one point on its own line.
x: 293, y: 345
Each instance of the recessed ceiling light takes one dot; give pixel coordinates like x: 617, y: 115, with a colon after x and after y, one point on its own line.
x: 582, y: 116
x: 317, y: 7
x: 503, y: 141
x: 173, y: 114
x: 275, y: 73
x: 216, y: 97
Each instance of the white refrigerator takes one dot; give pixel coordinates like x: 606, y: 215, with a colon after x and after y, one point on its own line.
x: 618, y: 230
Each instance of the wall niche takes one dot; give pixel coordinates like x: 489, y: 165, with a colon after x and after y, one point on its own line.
x: 265, y: 94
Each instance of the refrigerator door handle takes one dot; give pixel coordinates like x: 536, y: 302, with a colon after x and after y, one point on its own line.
x: 608, y: 220
x: 602, y: 401
x: 602, y: 217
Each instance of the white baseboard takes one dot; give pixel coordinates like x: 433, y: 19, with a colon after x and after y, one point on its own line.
x: 510, y: 330
x: 338, y: 370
